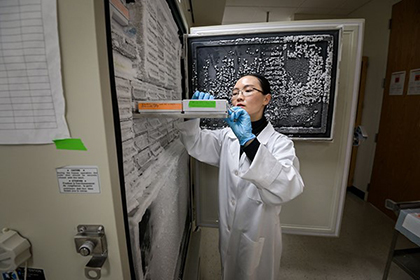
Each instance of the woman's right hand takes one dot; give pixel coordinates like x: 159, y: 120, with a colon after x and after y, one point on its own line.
x: 240, y: 122
x: 202, y: 95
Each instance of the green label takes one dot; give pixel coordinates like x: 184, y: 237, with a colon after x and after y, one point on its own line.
x: 202, y: 104
x: 70, y: 144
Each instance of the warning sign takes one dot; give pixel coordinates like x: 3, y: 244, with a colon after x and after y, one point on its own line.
x: 78, y: 179
x: 19, y: 274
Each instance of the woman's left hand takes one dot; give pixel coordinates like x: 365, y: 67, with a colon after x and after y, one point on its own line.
x: 240, y: 122
x: 202, y: 95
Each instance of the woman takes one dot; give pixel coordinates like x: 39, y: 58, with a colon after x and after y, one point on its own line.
x: 258, y: 172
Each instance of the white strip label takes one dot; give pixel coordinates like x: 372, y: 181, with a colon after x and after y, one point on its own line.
x: 78, y: 179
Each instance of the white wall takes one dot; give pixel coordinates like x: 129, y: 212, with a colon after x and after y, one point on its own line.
x: 377, y: 14
x: 30, y: 201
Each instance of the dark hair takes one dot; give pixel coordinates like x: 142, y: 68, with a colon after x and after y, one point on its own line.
x: 265, y: 84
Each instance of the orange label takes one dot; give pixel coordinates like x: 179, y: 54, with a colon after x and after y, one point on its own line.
x: 160, y: 106
x: 120, y: 6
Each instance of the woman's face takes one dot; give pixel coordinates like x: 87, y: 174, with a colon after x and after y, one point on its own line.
x: 253, y: 101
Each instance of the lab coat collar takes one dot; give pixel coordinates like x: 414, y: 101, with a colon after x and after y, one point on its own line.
x: 265, y: 134
x: 263, y: 137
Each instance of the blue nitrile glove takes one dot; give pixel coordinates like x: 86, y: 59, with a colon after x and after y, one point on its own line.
x: 202, y: 95
x: 240, y: 122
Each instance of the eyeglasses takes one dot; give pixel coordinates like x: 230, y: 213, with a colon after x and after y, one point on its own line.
x: 246, y: 91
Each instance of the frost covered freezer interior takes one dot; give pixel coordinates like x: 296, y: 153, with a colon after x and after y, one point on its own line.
x: 300, y: 65
x: 146, y: 54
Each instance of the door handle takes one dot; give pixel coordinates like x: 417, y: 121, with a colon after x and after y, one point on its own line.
x: 359, y: 135
x: 90, y: 240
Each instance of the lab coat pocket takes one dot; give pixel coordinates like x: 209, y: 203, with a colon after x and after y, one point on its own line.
x: 252, y: 193
x: 249, y: 254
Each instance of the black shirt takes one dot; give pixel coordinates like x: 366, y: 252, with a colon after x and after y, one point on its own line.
x: 252, y: 148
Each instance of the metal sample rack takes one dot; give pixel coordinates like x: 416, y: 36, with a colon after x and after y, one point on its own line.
x: 183, y: 109
x: 215, y: 115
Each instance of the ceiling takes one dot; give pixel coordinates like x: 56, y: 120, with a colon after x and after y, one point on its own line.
x: 215, y: 12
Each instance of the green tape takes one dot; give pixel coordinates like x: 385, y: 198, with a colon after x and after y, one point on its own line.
x: 202, y: 104
x: 70, y: 144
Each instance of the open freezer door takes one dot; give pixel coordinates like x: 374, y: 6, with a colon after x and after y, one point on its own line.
x: 313, y: 68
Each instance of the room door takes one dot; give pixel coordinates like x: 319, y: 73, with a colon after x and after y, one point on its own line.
x: 358, y: 120
x: 395, y: 173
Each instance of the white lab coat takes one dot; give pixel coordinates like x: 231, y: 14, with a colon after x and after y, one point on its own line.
x: 250, y: 196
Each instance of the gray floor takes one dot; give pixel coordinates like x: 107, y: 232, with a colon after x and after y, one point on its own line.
x: 359, y: 253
